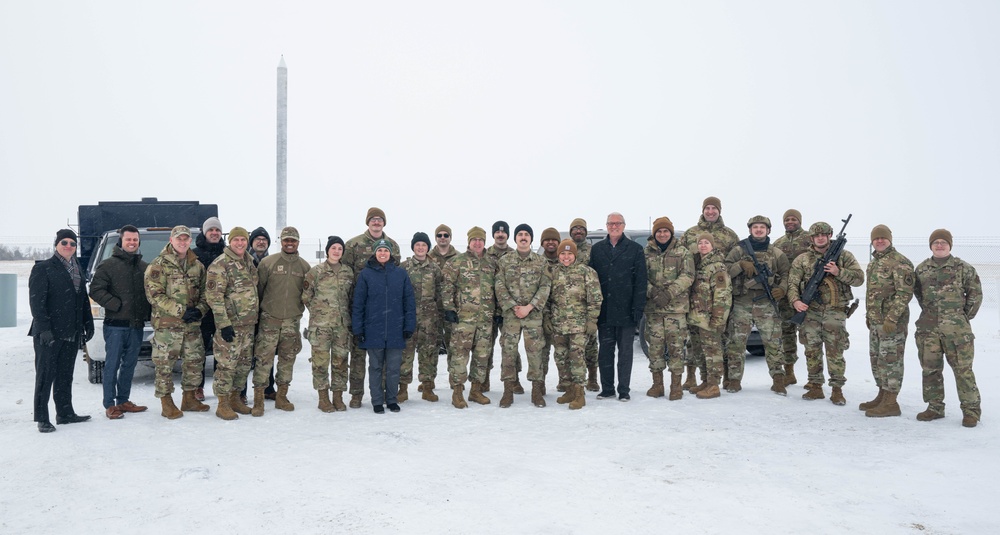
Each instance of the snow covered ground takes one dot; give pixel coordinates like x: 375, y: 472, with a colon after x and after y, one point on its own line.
x: 751, y: 462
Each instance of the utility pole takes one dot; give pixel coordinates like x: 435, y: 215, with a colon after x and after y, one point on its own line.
x: 281, y: 195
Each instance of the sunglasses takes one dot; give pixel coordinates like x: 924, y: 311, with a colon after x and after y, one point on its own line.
x: 70, y: 243
x: 443, y: 235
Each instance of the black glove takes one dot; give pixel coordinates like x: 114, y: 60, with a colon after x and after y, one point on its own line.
x: 637, y: 316
x: 88, y: 333
x: 450, y: 316
x: 498, y: 320
x: 361, y: 338
x: 228, y: 334
x: 407, y: 334
x: 191, y: 315
x: 46, y: 338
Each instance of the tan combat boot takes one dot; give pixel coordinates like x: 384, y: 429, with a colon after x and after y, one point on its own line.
x: 337, y: 400
x: 873, y: 403
x: 422, y: 386
x: 790, y: 375
x: 888, y: 407
x: 698, y: 388
x: 538, y: 393
x: 427, y: 391
x: 813, y: 391
x: 692, y: 378
x: 457, y: 399
x: 225, y: 411
x: 929, y: 414
x: 837, y: 397
x: 580, y: 400
x: 778, y: 384
x: 281, y: 399
x: 656, y: 391
x: 592, y: 379
x: 189, y: 403
x: 569, y: 396
x: 562, y: 385
x: 709, y: 389
x: 485, y: 386
x: 676, y: 392
x: 476, y: 394
x: 236, y: 402
x: 402, y: 395
x: 970, y: 420
x: 508, y: 395
x: 518, y: 389
x: 324, y: 401
x: 258, y: 401
x: 734, y: 386
x: 170, y: 411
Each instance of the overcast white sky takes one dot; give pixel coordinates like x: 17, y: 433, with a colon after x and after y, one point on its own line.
x: 537, y: 112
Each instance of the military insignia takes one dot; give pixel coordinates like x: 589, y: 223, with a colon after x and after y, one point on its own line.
x: 211, y: 285
x: 155, y: 272
x: 305, y: 285
x: 281, y: 268
x: 720, y: 278
x: 908, y: 279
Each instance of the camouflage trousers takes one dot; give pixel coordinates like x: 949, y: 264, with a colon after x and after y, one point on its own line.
x: 232, y: 360
x: 709, y: 359
x: 570, y: 360
x: 281, y: 336
x: 534, y: 348
x: 825, y: 326
x: 495, y: 333
x: 329, y: 357
x: 789, y: 334
x: 747, y: 313
x: 695, y: 355
x: 358, y: 368
x: 466, y: 338
x: 183, y: 343
x: 666, y: 333
x: 886, y: 353
x: 960, y: 350
x: 590, y: 353
x: 547, y: 347
x: 425, y: 348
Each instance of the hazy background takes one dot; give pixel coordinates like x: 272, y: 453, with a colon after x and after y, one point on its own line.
x: 537, y: 112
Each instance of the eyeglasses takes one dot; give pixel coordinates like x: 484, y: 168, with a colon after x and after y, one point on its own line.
x: 615, y: 223
x: 443, y: 235
x: 377, y: 219
x: 69, y: 243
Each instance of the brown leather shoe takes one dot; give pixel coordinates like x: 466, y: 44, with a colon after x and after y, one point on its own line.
x: 114, y: 413
x: 128, y: 406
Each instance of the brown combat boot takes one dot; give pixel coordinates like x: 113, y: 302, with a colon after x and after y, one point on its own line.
x: 476, y: 394
x: 427, y: 391
x: 485, y: 386
x: 569, y: 396
x: 325, y: 404
x: 929, y: 415
x: 969, y: 420
x: 790, y: 375
x: 692, y: 378
x: 709, y: 389
x: 337, y: 399
x: 518, y: 389
x: 656, y: 391
x: 225, y: 411
x: 837, y: 397
x: 508, y: 395
x: 402, y: 395
x: 580, y: 400
x: 538, y: 393
x: 457, y: 399
x: 592, y: 379
x: 281, y: 399
x: 236, y: 402
x: 170, y: 411
x: 189, y: 403
x: 813, y: 391
x: 258, y: 401
x: 868, y: 405
x: 888, y: 407
x: 734, y: 386
x: 420, y: 387
x: 355, y: 402
x: 698, y: 388
x: 778, y: 384
x: 676, y: 392
x: 561, y: 387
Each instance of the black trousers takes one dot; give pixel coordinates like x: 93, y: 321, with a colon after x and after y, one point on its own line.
x: 611, y: 338
x: 54, y: 374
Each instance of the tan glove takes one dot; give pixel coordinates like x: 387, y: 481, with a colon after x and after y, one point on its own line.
x: 889, y: 326
x: 591, y: 327
x: 777, y: 293
x: 748, y: 270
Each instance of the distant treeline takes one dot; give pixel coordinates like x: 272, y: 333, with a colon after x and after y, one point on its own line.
x: 27, y: 253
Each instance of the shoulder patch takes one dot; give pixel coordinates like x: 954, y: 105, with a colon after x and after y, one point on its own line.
x: 720, y: 278
x: 155, y: 272
x: 908, y: 278
x: 211, y: 284
x: 305, y: 284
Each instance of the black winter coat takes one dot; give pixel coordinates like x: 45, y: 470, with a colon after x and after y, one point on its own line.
x: 384, y: 306
x: 207, y: 253
x: 118, y: 286
x: 622, y: 272
x: 56, y: 305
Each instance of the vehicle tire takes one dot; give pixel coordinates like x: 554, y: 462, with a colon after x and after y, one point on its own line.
x: 95, y: 371
x: 642, y: 337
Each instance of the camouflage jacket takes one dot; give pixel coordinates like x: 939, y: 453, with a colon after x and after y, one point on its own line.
x: 171, y: 288
x: 773, y: 258
x: 583, y: 252
x: 669, y: 273
x: 575, y: 299
x: 442, y: 259
x: 833, y: 291
x: 523, y: 281
x: 279, y: 284
x: 327, y: 292
x: 427, y: 280
x: 497, y: 254
x: 711, y: 293
x: 358, y: 250
x: 890, y: 288
x: 724, y: 236
x: 949, y: 294
x: 231, y: 290
x: 793, y: 244
x: 468, y: 288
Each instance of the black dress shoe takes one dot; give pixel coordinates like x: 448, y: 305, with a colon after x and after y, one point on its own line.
x: 379, y: 409
x: 72, y: 419
x: 45, y: 427
x: 393, y: 407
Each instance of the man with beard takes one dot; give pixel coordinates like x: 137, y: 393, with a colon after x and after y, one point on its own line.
x: 793, y: 243
x: 500, y: 247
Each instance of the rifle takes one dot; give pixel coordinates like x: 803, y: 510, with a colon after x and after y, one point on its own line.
x: 763, y: 275
x: 811, y: 292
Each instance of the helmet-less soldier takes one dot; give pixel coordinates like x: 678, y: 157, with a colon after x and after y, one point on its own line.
x: 327, y: 293
x: 793, y: 243
x: 499, y: 249
x: 550, y: 243
x: 208, y: 246
x: 440, y: 254
x: 427, y: 280
x: 578, y: 233
x: 711, y: 300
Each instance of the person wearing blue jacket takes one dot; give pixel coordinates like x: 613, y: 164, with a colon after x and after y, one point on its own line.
x: 383, y: 317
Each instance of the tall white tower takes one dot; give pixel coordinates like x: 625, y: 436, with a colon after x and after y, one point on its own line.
x: 282, y: 178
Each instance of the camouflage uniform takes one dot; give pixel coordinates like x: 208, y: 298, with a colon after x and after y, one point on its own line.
x: 231, y: 291
x: 826, y: 319
x: 949, y: 293
x: 573, y: 304
x: 752, y: 307
x: 551, y: 264
x: 792, y: 244
x: 357, y: 251
x: 583, y: 258
x: 522, y: 281
x: 890, y: 288
x: 711, y: 301
x: 724, y: 239
x: 496, y: 254
x: 427, y: 280
x: 280, y: 280
x: 327, y: 292
x: 468, y: 291
x: 441, y: 260
x: 670, y: 274
x: 172, y: 285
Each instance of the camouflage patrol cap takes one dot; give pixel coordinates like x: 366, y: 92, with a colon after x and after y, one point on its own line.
x: 881, y: 231
x: 567, y: 245
x: 820, y: 228
x: 759, y: 219
x: 476, y: 233
x: 180, y: 230
x: 289, y: 233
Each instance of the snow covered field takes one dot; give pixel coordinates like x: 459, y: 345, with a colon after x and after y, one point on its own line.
x: 751, y: 462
